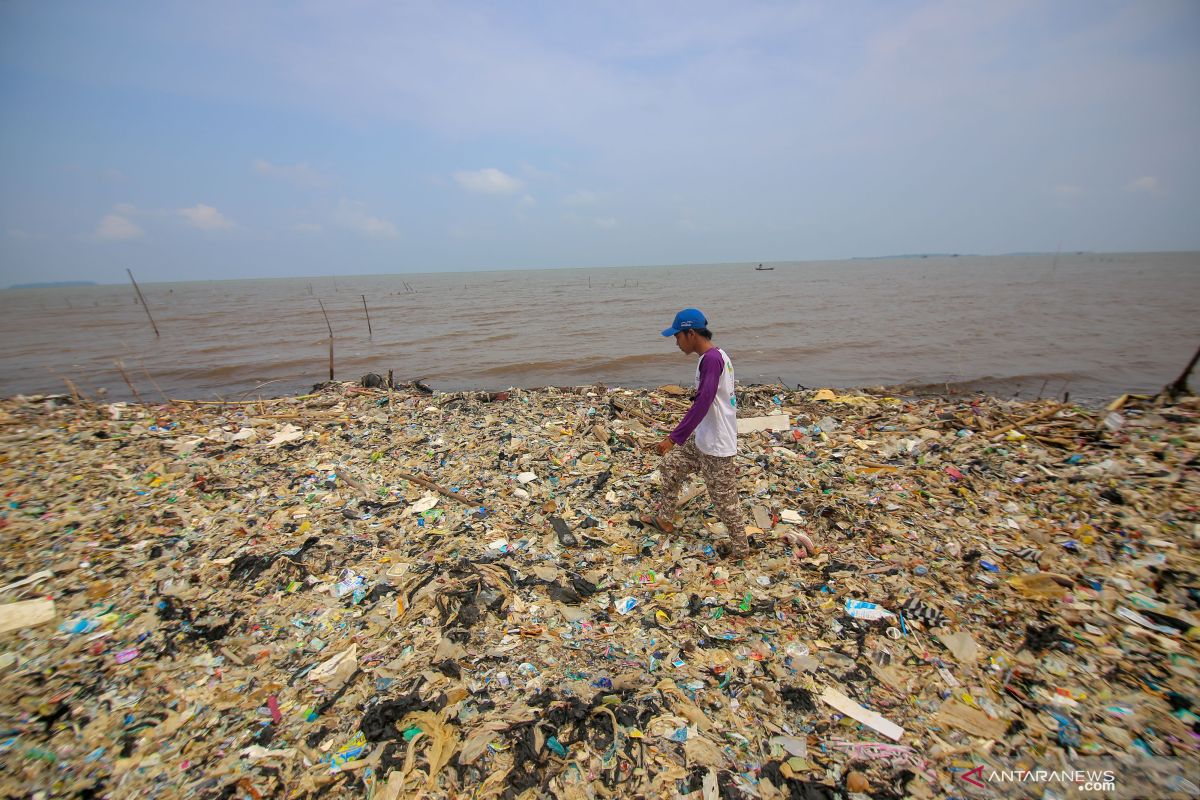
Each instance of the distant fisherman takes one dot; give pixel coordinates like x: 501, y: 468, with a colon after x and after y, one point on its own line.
x: 713, y: 421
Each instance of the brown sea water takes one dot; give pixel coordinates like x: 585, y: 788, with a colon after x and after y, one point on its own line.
x: 1095, y: 325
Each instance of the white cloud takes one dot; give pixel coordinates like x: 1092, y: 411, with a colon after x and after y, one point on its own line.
x: 119, y: 225
x: 206, y: 218
x: 307, y: 227
x: 1067, y: 190
x: 487, y: 181
x: 528, y: 201
x: 300, y: 174
x: 1144, y: 184
x: 355, y: 217
x: 114, y: 174
x: 607, y: 223
x: 583, y: 197
x: 117, y: 228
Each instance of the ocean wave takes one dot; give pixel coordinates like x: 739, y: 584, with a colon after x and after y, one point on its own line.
x: 273, y: 369
x: 1047, y: 384
x: 581, y: 366
x: 776, y: 354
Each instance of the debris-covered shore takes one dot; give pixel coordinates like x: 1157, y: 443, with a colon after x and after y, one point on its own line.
x: 385, y: 594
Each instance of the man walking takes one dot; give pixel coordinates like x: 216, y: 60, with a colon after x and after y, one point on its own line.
x: 713, y: 421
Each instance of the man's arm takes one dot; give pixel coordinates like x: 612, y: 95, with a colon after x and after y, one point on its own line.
x: 711, y: 366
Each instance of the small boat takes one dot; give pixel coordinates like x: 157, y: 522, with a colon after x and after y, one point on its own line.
x: 761, y: 268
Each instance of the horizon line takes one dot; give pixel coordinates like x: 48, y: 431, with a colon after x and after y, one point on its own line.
x: 67, y: 283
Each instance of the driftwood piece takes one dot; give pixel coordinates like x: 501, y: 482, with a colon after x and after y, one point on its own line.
x: 350, y: 480
x: 242, y: 402
x: 1038, y: 417
x: 428, y: 484
x: 629, y: 410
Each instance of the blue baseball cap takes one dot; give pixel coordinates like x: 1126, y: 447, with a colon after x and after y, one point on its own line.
x: 687, y: 319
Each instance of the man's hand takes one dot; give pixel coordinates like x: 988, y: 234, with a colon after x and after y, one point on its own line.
x: 665, y: 445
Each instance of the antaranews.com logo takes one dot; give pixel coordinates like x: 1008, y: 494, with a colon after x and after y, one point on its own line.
x: 1107, y: 777
x: 1082, y: 780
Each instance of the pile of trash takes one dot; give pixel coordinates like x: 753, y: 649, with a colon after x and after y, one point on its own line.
x: 373, y: 593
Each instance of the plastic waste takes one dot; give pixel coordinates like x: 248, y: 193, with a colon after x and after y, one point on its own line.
x: 412, y: 593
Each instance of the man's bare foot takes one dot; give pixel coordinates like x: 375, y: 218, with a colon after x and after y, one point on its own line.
x: 657, y: 522
x: 727, y: 549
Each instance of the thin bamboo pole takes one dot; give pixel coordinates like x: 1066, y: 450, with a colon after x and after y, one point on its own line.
x: 330, y: 326
x: 129, y: 383
x: 327, y: 323
x: 137, y: 289
x: 243, y: 402
x: 370, y: 333
x: 154, y: 383
x: 1038, y: 417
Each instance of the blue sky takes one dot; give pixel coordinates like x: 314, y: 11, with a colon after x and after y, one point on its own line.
x: 226, y: 140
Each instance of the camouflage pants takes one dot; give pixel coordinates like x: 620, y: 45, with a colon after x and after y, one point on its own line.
x: 720, y: 476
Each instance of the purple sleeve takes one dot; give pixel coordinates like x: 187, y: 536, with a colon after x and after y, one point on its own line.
x: 711, y: 366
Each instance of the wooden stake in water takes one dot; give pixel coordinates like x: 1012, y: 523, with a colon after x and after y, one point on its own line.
x: 368, y: 313
x: 139, y: 294
x: 327, y: 324
x: 330, y: 326
x: 1179, y: 386
x: 154, y: 383
x: 129, y: 383
x: 74, y: 391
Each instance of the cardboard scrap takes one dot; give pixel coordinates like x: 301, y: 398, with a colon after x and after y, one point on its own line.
x: 956, y: 714
x: 288, y: 433
x: 1039, y: 586
x: 25, y: 614
x: 961, y: 645
x: 337, y: 670
x: 867, y: 717
x: 771, y: 422
x: 32, y: 580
